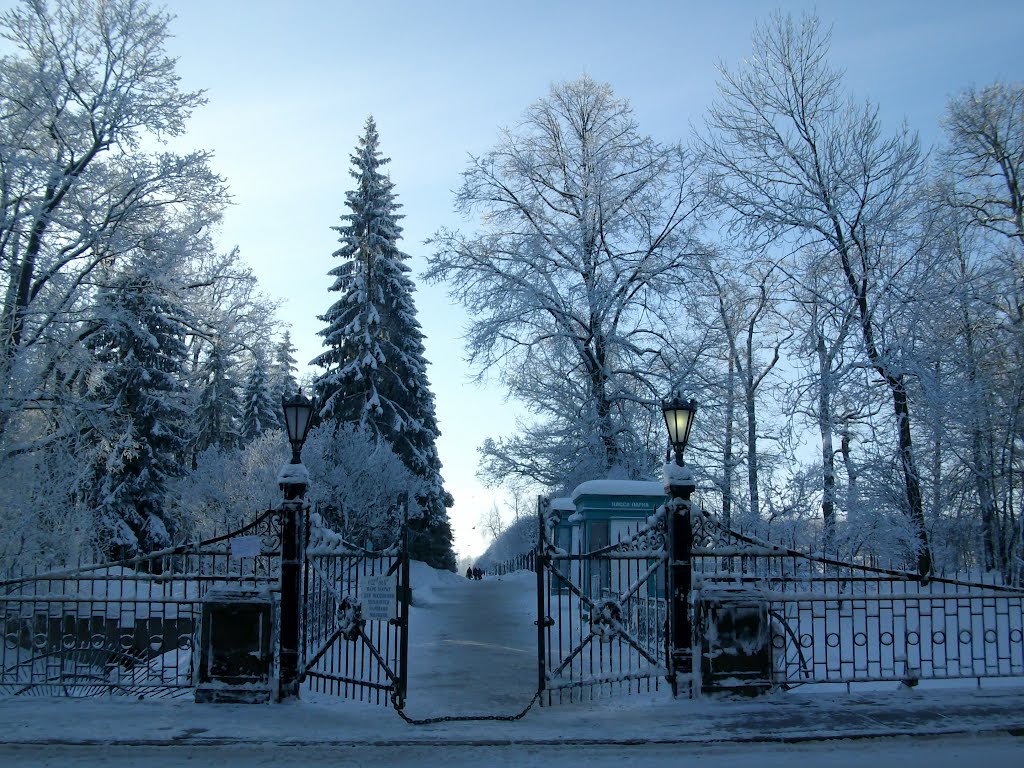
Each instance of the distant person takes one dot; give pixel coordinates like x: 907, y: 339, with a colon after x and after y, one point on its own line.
x: 469, y: 572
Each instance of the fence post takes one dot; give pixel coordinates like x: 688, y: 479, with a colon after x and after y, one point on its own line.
x: 405, y: 597
x: 538, y: 564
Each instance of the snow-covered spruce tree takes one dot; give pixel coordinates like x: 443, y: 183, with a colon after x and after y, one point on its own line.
x: 140, y: 443
x: 259, y: 411
x: 282, y: 376
x: 376, y: 371
x: 219, y: 411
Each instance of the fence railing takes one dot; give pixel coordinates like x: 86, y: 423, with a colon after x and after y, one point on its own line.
x: 826, y: 621
x: 126, y: 627
x: 527, y: 561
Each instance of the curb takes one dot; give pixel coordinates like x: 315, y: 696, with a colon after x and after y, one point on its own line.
x: 1016, y: 731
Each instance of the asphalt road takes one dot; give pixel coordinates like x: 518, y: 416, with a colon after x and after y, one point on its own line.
x: 994, y: 751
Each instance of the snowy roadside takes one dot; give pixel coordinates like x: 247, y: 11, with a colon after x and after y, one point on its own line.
x: 784, y: 718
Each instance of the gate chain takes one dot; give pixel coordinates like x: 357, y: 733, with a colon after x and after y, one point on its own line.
x: 467, y: 718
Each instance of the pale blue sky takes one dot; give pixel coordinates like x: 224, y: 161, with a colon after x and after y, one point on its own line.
x: 290, y: 85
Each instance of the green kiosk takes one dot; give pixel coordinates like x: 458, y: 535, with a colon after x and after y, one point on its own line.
x: 609, y: 511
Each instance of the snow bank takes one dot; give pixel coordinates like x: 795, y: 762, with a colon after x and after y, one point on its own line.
x: 425, y: 580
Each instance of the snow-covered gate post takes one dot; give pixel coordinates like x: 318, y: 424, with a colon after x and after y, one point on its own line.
x: 293, y: 480
x: 539, y: 564
x: 679, y: 484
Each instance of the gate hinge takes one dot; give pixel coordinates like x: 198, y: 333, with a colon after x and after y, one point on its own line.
x: 548, y: 621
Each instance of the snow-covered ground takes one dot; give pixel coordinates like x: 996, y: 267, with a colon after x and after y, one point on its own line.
x: 472, y: 653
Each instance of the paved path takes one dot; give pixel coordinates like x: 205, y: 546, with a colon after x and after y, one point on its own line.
x: 474, y: 651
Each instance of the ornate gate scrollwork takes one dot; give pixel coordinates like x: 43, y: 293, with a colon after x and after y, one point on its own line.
x: 606, y: 619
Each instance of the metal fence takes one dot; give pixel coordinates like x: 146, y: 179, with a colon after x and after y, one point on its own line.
x: 526, y: 561
x: 126, y: 627
x: 819, y: 620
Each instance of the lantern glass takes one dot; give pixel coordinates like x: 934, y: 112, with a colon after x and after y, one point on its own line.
x: 679, y: 420
x: 298, y: 417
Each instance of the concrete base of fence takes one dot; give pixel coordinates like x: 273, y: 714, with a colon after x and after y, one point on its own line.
x: 737, y: 657
x: 234, y: 656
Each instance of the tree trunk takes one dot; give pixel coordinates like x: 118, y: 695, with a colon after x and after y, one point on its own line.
x: 901, y: 407
x: 828, y: 467
x: 911, y: 478
x: 752, y: 461
x: 727, y: 458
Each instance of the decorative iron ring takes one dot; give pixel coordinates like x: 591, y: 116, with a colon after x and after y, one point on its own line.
x: 350, y: 618
x: 606, y: 619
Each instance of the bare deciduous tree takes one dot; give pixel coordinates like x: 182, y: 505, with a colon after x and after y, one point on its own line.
x: 791, y: 157
x: 986, y: 156
x: 585, y: 224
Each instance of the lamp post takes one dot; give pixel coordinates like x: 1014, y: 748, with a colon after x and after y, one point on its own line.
x: 293, y: 480
x: 679, y: 484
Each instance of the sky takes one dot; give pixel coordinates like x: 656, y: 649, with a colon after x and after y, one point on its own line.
x: 290, y: 86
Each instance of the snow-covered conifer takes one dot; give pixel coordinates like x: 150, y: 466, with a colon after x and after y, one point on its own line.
x: 376, y: 372
x: 219, y: 412
x: 282, y: 378
x: 259, y: 411
x: 139, y: 349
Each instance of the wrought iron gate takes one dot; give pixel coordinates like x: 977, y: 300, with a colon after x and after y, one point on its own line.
x: 355, y: 629
x: 601, y: 613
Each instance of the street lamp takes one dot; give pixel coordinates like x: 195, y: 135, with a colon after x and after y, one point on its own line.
x: 679, y: 415
x: 298, y: 418
x: 679, y: 484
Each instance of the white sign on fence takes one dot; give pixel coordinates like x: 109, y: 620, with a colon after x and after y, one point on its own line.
x: 377, y: 594
x: 245, y: 546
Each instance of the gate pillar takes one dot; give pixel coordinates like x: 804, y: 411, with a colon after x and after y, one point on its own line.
x: 680, y: 485
x: 293, y: 482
